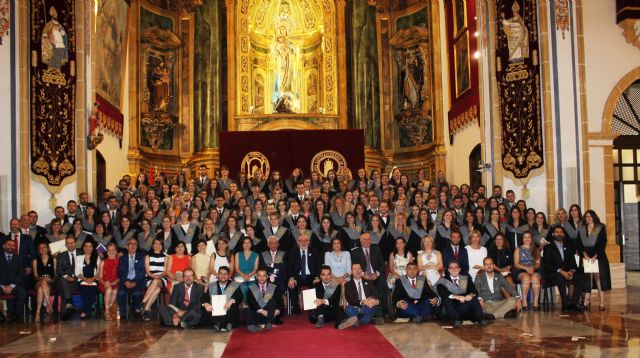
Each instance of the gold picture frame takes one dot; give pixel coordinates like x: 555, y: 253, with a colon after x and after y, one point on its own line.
x: 459, y: 17
x: 462, y: 62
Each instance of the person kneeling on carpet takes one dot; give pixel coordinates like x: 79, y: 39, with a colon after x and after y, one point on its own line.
x: 327, y: 300
x: 233, y: 293
x: 361, y: 296
x: 459, y: 296
x: 412, y: 295
x: 262, y: 304
x: 184, y: 307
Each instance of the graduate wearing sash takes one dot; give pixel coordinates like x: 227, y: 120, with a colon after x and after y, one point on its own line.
x: 412, y: 295
x: 186, y: 232
x: 458, y: 295
x: 262, y: 304
x: 280, y: 232
x: 226, y: 287
x: 327, y: 300
x: 274, y: 261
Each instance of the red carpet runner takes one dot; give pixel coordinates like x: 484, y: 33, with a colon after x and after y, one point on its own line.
x: 299, y: 338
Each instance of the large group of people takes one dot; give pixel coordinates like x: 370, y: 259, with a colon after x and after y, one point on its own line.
x: 373, y: 247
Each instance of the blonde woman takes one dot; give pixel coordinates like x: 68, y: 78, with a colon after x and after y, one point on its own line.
x: 430, y: 260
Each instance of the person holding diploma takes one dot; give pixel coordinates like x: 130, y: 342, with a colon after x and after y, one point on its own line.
x: 412, y: 295
x: 303, y: 270
x: 184, y: 307
x: 230, y: 289
x: 67, y: 281
x: 327, y: 300
x: 592, y: 243
x: 263, y: 304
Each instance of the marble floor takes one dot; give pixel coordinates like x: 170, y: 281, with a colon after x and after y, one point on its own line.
x: 615, y: 332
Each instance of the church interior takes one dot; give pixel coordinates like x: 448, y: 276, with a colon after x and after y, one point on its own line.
x: 538, y: 98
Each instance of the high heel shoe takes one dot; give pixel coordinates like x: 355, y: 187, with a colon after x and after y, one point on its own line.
x: 601, y: 308
x: 36, y: 319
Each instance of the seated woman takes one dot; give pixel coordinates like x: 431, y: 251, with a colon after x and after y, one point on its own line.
x: 108, y: 276
x: 476, y: 253
x: 176, y: 264
x: 44, y: 273
x: 87, y: 273
x: 502, y: 256
x: 526, y: 259
x: 200, y: 265
x: 398, y: 260
x: 430, y: 261
x: 246, y: 263
x: 155, y: 264
x: 339, y: 261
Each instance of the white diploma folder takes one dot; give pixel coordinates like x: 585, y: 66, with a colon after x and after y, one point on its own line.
x: 590, y: 267
x: 57, y: 247
x: 217, y: 305
x: 309, y: 299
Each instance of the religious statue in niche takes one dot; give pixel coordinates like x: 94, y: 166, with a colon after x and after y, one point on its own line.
x: 517, y: 35
x: 54, y: 42
x: 312, y: 93
x: 160, y: 84
x: 283, y: 53
x: 412, y: 78
x: 259, y: 96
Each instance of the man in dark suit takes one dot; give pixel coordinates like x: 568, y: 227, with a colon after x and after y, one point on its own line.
x: 291, y: 219
x: 456, y: 252
x: 303, y: 269
x: 262, y: 304
x: 66, y: 281
x: 72, y: 214
x: 11, y: 280
x: 559, y: 267
x: 27, y: 229
x: 372, y: 263
x: 58, y: 213
x: 412, y: 295
x: 362, y: 299
x: 233, y: 293
x: 386, y: 215
x: 275, y: 262
x: 327, y: 300
x: 490, y: 285
x: 203, y: 182
x: 184, y: 307
x: 459, y: 296
x: 458, y: 210
x: 24, y: 245
x: 104, y: 204
x: 131, y: 273
x: 33, y: 216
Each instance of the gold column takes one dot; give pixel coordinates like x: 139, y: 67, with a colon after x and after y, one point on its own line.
x: 440, y: 151
x: 23, y: 68
x: 496, y: 136
x: 231, y: 68
x: 584, y: 112
x: 81, y: 101
x: 133, y: 154
x: 342, y: 62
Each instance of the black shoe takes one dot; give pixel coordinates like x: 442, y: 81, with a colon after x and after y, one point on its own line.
x: 349, y: 322
x: 578, y: 308
x: 483, y: 322
x: 379, y: 321
x: 320, y: 322
x: 253, y: 328
x: 457, y: 324
x: 229, y: 327
x: 278, y: 321
x: 417, y: 319
x: 568, y: 308
x: 268, y: 327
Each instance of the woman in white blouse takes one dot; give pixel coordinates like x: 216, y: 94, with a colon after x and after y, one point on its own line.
x: 476, y: 253
x: 338, y: 260
x: 429, y: 260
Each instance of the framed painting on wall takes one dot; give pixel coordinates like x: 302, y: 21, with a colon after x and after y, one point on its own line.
x: 462, y: 65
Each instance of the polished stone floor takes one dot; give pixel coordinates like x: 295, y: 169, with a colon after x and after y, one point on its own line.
x: 615, y: 332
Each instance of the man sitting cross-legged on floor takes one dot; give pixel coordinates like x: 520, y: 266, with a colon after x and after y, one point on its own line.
x: 327, y: 301
x: 262, y: 303
x: 361, y: 296
x: 459, y: 296
x: 490, y: 284
x: 184, y: 306
x: 412, y: 295
x: 231, y: 290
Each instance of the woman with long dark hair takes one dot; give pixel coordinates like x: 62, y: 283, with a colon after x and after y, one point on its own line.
x: 592, y: 244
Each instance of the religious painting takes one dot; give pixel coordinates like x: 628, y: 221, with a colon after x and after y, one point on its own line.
x: 413, y: 85
x: 459, y: 17
x: 158, y: 65
x: 5, y: 18
x: 312, y: 93
x: 109, y: 50
x: 258, y: 87
x: 53, y: 79
x: 462, y: 64
x: 518, y: 77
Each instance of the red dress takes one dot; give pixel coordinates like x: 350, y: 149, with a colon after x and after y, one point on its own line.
x: 178, y: 265
x: 109, y: 272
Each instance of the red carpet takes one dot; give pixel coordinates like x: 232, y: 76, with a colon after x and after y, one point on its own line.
x: 299, y: 338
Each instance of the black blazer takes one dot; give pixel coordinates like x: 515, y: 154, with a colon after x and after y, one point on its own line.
x: 471, y: 288
x: 334, y: 300
x: 237, y: 294
x: 26, y: 249
x: 400, y: 294
x: 11, y: 273
x: 177, y: 297
x: 463, y: 258
x: 294, y: 263
x: 64, y: 266
x: 253, y: 304
x: 375, y: 256
x: 552, y: 261
x: 351, y: 292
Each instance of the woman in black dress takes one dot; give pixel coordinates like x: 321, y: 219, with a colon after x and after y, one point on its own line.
x: 592, y: 244
x: 44, y: 273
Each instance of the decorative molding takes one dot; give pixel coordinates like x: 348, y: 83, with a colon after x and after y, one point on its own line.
x: 561, y: 9
x: 631, y: 31
x: 5, y: 18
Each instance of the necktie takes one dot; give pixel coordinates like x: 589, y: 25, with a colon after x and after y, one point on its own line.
x: 187, y: 299
x: 366, y: 256
x: 301, y: 197
x: 413, y: 284
x: 222, y: 288
x: 455, y: 252
x: 263, y: 290
x: 9, y: 257
x: 113, y: 216
x: 360, y: 290
x: 132, y: 272
x: 16, y: 239
x: 73, y: 261
x: 303, y: 266
x: 455, y: 280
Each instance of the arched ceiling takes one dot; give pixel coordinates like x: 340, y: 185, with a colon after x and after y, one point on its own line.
x: 301, y: 18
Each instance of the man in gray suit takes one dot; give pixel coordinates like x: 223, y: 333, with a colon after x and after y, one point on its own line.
x: 66, y: 281
x: 184, y: 307
x: 490, y: 284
